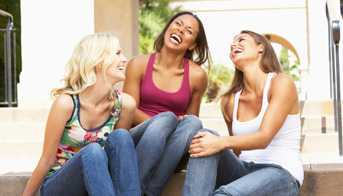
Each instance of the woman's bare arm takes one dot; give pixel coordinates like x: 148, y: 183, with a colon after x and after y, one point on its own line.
x: 282, y: 102
x: 134, y: 73
x: 127, y: 112
x: 199, y: 82
x: 60, y: 112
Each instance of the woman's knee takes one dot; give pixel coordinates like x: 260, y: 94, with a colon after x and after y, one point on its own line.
x: 166, y: 114
x: 161, y: 126
x: 93, y: 151
x: 193, y: 120
x: 223, y: 191
x: 187, y: 127
x: 165, y: 118
x: 210, y: 131
x: 120, y: 137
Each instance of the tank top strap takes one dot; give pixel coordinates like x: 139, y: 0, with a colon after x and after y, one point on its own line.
x: 266, y: 88
x: 235, y: 105
x: 117, y: 106
x: 75, y: 108
x: 150, y: 67
x: 185, y: 81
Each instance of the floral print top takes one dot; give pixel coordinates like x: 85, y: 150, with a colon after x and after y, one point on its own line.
x: 75, y: 136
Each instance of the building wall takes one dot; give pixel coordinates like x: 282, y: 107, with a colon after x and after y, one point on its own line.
x: 302, y: 23
x: 318, y: 82
x: 120, y: 17
x: 50, y: 31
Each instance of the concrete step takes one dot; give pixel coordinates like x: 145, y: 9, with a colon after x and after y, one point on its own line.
x: 317, y: 148
x: 216, y: 124
x: 320, y: 180
x: 210, y: 110
x: 22, y: 131
x: 19, y: 156
x: 13, y: 184
x: 323, y: 180
x: 21, y: 114
x: 320, y: 107
x: 317, y: 142
x: 318, y: 123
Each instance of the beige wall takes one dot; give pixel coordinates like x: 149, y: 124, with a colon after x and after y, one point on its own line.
x: 120, y: 17
x: 50, y: 31
x: 301, y: 22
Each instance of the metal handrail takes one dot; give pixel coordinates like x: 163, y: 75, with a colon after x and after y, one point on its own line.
x: 334, y: 17
x: 9, y: 59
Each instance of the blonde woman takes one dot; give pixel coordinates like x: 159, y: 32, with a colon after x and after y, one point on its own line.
x: 87, y: 148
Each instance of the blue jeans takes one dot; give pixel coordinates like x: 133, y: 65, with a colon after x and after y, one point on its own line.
x: 160, y: 143
x: 233, y: 177
x: 95, y: 171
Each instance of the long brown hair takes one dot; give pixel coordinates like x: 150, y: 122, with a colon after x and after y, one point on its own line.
x: 269, y: 63
x: 201, y: 50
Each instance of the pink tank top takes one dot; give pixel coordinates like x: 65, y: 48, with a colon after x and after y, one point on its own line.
x: 154, y: 100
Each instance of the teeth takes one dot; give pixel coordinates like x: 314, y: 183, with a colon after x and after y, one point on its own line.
x: 237, y: 51
x: 176, y: 38
x: 121, y: 68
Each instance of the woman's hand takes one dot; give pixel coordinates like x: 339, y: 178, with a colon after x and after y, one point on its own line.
x: 205, y: 144
x: 181, y: 117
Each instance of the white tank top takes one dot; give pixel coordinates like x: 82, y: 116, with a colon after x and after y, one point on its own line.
x: 284, y: 149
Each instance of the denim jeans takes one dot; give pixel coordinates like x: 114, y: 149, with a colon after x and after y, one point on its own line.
x: 95, y: 171
x: 233, y: 177
x: 161, y: 142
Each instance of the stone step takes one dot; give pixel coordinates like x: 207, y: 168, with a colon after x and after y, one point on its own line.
x: 317, y: 142
x: 207, y: 110
x: 28, y: 131
x: 23, y: 114
x: 22, y: 132
x: 36, y: 114
x: 13, y: 154
x: 319, y: 180
x: 13, y: 184
x: 216, y: 124
x: 320, y: 107
x: 318, y: 122
x: 19, y: 156
x: 210, y: 110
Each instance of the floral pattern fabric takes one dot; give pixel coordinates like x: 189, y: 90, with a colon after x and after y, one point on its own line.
x: 75, y: 137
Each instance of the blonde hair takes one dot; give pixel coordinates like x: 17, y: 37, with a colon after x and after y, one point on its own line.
x: 98, y: 49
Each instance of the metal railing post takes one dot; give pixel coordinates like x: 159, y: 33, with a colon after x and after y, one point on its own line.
x: 334, y: 16
x: 336, y: 38
x: 9, y: 60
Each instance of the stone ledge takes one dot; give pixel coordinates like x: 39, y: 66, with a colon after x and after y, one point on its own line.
x: 320, y: 180
x: 323, y: 180
x: 13, y: 184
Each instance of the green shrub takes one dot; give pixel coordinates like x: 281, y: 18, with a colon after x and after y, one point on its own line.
x: 219, y: 79
x: 153, y: 15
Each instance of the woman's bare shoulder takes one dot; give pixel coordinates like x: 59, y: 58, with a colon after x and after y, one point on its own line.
x: 137, y: 65
x: 197, y: 71
x: 128, y: 102
x: 282, y: 80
